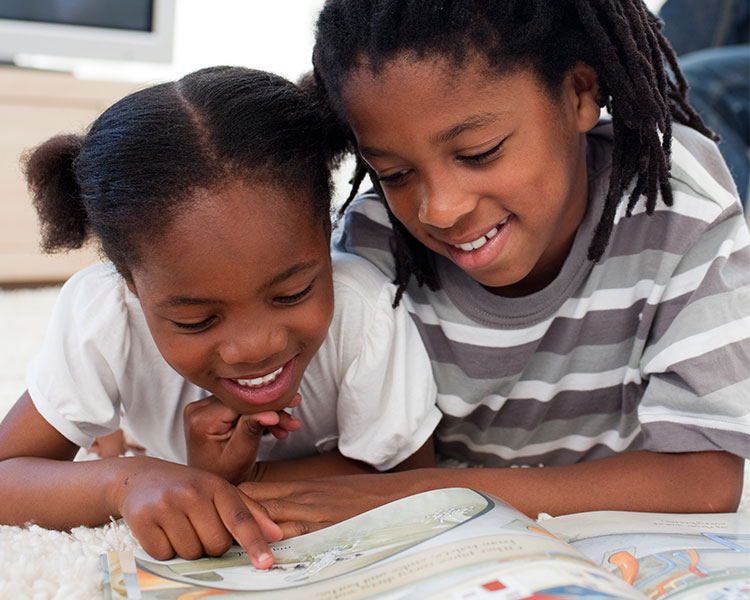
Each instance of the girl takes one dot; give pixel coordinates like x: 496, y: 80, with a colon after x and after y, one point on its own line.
x: 210, y: 197
x: 584, y: 301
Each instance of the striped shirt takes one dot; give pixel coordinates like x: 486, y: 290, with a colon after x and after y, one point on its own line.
x: 647, y: 349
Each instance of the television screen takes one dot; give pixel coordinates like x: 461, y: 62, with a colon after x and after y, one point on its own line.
x: 135, y: 15
x: 119, y: 30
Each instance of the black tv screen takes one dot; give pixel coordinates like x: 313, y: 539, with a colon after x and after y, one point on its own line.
x: 133, y: 15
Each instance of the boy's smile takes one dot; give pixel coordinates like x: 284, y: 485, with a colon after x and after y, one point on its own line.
x: 488, y: 171
x: 238, y: 294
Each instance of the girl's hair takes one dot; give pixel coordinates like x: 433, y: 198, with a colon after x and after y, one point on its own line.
x: 141, y: 162
x: 620, y: 39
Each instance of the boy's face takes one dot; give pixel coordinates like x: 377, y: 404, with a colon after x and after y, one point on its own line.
x: 238, y: 294
x: 487, y: 171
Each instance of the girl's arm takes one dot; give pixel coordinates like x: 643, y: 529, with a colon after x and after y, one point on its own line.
x: 170, y: 508
x: 636, y: 481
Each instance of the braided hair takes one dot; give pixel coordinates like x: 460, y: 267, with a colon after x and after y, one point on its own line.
x: 140, y: 163
x: 620, y: 39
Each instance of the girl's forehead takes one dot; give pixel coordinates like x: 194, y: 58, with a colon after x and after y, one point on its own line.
x: 232, y: 239
x: 237, y: 214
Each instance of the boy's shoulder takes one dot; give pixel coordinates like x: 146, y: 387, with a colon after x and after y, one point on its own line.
x: 367, y: 232
x: 702, y: 186
x: 699, y: 168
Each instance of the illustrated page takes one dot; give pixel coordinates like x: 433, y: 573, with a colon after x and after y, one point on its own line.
x: 690, y: 557
x: 451, y: 543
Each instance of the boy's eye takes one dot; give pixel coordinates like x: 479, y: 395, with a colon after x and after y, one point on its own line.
x: 478, y: 159
x: 200, y: 326
x: 294, y: 298
x: 393, y: 179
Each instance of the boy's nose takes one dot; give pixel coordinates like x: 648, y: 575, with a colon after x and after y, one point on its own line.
x: 443, y: 204
x: 254, y: 345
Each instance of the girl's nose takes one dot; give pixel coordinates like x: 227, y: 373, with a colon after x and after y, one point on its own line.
x: 254, y: 344
x: 443, y: 203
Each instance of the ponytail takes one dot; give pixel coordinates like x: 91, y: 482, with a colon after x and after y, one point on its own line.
x: 50, y: 174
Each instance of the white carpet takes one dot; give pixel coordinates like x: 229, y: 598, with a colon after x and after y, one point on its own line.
x: 36, y: 563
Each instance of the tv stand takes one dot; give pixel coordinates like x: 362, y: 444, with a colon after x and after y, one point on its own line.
x: 35, y: 105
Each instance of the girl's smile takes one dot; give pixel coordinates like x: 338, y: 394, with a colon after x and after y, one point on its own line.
x: 487, y: 170
x: 262, y: 390
x: 229, y: 307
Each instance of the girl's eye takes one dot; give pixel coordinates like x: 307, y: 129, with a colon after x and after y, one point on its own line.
x: 294, y: 298
x: 200, y: 326
x: 478, y: 159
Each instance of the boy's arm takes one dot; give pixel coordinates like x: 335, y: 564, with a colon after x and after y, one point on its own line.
x: 637, y: 481
x: 333, y: 464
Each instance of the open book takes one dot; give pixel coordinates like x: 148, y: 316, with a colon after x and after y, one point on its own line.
x: 459, y: 544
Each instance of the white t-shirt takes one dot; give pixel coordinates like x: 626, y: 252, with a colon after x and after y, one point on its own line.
x: 368, y: 391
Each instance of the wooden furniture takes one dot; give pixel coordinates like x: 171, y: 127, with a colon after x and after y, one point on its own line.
x: 35, y: 105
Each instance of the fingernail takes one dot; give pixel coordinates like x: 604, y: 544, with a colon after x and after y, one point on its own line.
x: 265, y: 559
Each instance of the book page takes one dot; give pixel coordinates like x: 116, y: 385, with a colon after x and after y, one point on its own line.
x: 690, y: 557
x: 456, y: 544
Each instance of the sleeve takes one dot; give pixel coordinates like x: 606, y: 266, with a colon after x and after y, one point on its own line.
x: 72, y: 380
x: 698, y: 348
x: 386, y: 406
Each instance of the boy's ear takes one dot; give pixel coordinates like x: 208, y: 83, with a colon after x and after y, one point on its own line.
x: 585, y: 85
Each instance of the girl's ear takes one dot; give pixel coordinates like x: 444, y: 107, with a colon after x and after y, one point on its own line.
x: 584, y: 82
x: 131, y: 285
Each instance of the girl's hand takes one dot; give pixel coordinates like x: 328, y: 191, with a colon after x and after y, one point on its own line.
x: 223, y: 442
x: 175, y: 509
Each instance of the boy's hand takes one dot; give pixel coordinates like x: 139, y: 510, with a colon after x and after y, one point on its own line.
x: 223, y: 442
x: 303, y: 506
x: 175, y: 509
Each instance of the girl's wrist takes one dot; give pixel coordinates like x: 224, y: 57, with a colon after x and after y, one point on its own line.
x: 122, y: 470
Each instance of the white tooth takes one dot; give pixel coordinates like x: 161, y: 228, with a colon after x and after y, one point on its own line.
x: 258, y: 381
x: 479, y: 243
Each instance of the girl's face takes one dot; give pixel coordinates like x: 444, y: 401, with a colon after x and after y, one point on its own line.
x: 238, y: 294
x: 488, y: 171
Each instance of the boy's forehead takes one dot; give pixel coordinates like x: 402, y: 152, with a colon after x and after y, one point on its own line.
x: 464, y: 98
x: 443, y: 74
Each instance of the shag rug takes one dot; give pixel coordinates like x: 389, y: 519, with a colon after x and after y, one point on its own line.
x: 40, y: 564
x: 36, y: 563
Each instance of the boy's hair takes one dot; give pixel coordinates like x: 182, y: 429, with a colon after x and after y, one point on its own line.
x: 620, y: 39
x: 143, y: 159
